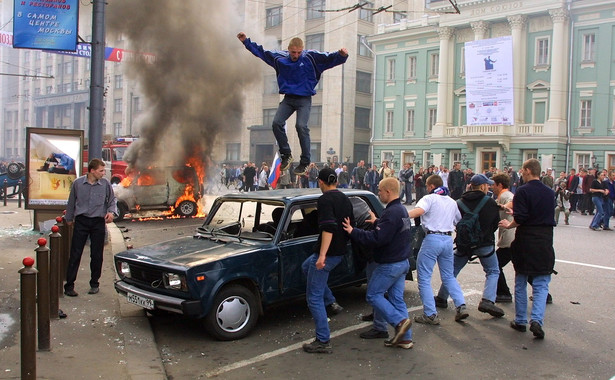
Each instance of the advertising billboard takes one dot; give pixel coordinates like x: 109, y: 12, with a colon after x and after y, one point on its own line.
x: 46, y: 24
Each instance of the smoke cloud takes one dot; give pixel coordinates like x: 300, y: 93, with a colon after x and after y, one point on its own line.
x: 194, y: 89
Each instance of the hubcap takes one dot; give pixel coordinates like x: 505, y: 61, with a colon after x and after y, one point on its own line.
x: 233, y: 313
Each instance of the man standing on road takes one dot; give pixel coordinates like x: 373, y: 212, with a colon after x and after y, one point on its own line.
x: 333, y: 208
x: 505, y: 236
x: 91, y: 204
x: 358, y: 175
x: 477, y: 201
x: 389, y: 238
x: 298, y: 72
x: 455, y: 180
x: 532, y: 249
x: 439, y: 215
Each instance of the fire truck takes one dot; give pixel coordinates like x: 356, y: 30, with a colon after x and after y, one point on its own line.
x: 113, y: 156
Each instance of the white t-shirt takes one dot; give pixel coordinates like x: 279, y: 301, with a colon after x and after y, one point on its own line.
x: 441, y: 213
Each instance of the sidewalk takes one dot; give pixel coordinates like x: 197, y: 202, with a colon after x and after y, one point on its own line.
x: 103, y: 336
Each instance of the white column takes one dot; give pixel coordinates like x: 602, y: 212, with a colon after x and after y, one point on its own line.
x: 480, y: 29
x: 517, y: 26
x: 444, y: 81
x: 557, y: 95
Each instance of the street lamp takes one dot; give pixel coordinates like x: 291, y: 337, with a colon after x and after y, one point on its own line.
x: 594, y: 164
x: 466, y: 162
x: 505, y: 161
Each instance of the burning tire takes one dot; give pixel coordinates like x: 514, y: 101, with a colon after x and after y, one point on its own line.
x: 187, y: 208
x: 233, y: 315
x: 122, y: 210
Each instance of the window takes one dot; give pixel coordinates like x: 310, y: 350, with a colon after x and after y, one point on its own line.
x: 314, y: 9
x: 389, y: 122
x: 455, y: 157
x: 48, y: 90
x: 362, y: 117
x: 315, y: 151
x: 270, y: 85
x: 315, y: 116
x: 462, y: 61
x: 530, y: 154
x: 364, y: 82
x: 583, y: 161
x: 364, y: 51
x: 68, y: 67
x: 398, y: 16
x: 589, y: 46
x: 8, y: 135
x: 68, y: 111
x: 49, y: 70
x: 37, y: 91
x: 412, y: 67
x: 117, y: 129
x: 434, y: 64
x: 26, y: 57
x: 586, y: 114
x: 315, y: 42
x: 273, y: 17
x: 365, y: 14
x: 268, y: 115
x: 232, y: 151
x: 391, y: 70
x: 8, y: 116
x: 26, y: 115
x: 433, y: 113
x: 117, y: 105
x: 410, y: 120
x: 118, y: 81
x: 542, y: 51
x: 136, y: 104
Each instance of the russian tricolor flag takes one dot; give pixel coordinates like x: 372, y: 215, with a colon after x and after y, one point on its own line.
x: 274, y: 173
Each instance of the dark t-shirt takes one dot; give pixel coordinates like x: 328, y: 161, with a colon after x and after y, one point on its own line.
x: 333, y: 207
x: 597, y: 185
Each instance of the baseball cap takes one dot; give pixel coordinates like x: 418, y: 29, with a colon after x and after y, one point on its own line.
x: 327, y: 175
x: 480, y: 179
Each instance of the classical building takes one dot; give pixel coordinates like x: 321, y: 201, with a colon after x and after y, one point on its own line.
x: 563, y: 79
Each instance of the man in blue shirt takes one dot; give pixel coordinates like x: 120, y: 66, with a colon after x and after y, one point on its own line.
x: 298, y: 72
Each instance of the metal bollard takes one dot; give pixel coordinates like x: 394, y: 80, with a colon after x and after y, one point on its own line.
x: 55, y: 284
x: 28, y: 319
x: 42, y: 287
x: 5, y: 191
x: 19, y: 194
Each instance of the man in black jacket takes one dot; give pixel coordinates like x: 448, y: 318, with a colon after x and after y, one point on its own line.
x: 455, y: 181
x: 488, y: 217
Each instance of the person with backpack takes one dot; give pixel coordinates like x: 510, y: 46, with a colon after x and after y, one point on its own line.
x: 476, y: 237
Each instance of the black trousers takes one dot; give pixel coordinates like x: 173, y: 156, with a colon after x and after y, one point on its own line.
x: 85, y: 227
x: 504, y: 257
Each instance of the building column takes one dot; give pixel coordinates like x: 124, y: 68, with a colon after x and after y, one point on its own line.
x: 557, y: 94
x: 517, y: 26
x: 444, y: 81
x: 480, y: 29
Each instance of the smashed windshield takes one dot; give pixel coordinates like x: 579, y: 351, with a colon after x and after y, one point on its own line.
x: 245, y: 219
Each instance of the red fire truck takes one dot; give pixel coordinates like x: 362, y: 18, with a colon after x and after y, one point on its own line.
x: 113, y: 156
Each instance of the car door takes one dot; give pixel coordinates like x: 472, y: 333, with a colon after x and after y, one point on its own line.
x: 150, y: 188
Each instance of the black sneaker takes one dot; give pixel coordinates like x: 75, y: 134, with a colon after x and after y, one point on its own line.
x: 318, y: 347
x: 517, y: 326
x: 503, y: 298
x: 367, y: 317
x: 93, y: 290
x: 536, y: 329
x: 374, y: 334
x: 71, y: 293
x: 486, y: 306
x: 334, y: 308
x: 549, y: 298
x: 287, y: 159
x: 300, y: 169
x: 462, y: 313
x: 440, y: 302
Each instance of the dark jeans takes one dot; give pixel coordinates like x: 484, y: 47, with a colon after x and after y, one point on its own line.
x: 408, y: 191
x: 574, y: 201
x: 504, y: 257
x: 85, y: 227
x: 302, y: 105
x: 587, y: 205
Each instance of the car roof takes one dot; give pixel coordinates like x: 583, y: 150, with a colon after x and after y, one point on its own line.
x: 287, y: 195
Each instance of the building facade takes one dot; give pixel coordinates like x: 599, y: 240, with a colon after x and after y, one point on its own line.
x: 563, y: 75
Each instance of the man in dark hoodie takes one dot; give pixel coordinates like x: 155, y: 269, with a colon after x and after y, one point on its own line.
x: 488, y: 217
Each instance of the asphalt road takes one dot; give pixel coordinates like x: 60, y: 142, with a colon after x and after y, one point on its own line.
x: 579, y: 327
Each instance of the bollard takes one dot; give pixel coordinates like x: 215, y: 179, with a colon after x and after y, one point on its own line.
x: 55, y: 285
x: 5, y: 191
x: 28, y: 319
x: 42, y: 287
x: 19, y: 194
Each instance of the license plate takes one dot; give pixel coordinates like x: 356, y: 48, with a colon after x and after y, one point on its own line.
x: 140, y: 301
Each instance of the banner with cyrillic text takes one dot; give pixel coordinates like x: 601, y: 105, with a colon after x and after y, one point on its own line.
x: 46, y: 24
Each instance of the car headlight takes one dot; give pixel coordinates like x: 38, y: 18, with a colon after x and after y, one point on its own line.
x: 175, y: 281
x: 123, y: 269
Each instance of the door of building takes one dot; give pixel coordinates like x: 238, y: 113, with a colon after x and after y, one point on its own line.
x: 488, y: 160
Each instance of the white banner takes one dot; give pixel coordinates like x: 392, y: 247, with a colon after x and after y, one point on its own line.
x: 489, y: 81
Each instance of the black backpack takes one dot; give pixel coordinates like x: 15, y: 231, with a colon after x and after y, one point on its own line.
x: 469, y: 234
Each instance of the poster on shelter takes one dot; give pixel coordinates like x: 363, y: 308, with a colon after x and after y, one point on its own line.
x: 46, y: 24
x: 53, y: 163
x: 489, y: 81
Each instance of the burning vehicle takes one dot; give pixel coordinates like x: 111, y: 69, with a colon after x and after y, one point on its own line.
x: 175, y: 189
x: 245, y: 257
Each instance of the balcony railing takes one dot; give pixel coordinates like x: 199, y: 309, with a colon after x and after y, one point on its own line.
x: 495, y: 130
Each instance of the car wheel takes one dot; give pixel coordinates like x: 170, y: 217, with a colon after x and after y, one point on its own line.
x: 122, y: 210
x: 186, y: 208
x: 233, y: 315
x: 14, y: 171
x: 115, y: 181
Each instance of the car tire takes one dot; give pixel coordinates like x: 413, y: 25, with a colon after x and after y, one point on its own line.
x: 115, y: 181
x: 14, y: 170
x: 233, y: 315
x: 187, y: 208
x: 122, y: 210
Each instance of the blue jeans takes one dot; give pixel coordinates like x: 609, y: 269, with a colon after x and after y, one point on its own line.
x: 540, y: 289
x: 490, y: 267
x: 389, y: 278
x: 318, y: 294
x: 608, y: 212
x: 408, y: 191
x: 380, y: 323
x: 437, y: 248
x: 313, y: 184
x: 302, y: 105
x: 599, y: 216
